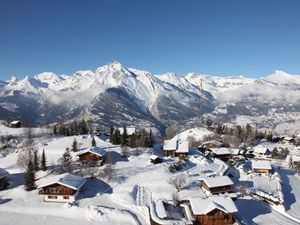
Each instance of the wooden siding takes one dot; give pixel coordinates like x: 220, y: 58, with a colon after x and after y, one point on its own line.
x: 89, y: 156
x: 57, y: 189
x: 215, y: 217
x: 261, y: 170
x: 169, y: 153
x: 216, y: 190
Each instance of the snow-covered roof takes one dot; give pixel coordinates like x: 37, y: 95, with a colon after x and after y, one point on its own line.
x: 261, y: 164
x: 130, y: 130
x: 288, y: 138
x: 15, y: 122
x: 260, y: 149
x: 96, y: 150
x: 225, y: 151
x: 160, y: 209
x: 153, y: 157
x: 69, y: 180
x: 296, y: 158
x: 170, y: 145
x: 218, y: 181
x: 3, y: 173
x: 182, y: 147
x: 214, y: 142
x: 202, y: 206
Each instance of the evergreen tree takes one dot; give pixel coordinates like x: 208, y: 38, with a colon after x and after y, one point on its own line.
x: 124, y: 137
x: 30, y: 177
x: 111, y: 134
x: 83, y: 129
x: 93, y: 142
x: 36, y: 161
x: 132, y: 140
x: 66, y: 160
x: 55, y: 130
x: 117, y: 137
x: 44, y: 161
x: 151, y: 141
x: 74, y: 146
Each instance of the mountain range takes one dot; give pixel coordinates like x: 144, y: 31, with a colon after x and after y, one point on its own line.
x: 113, y: 95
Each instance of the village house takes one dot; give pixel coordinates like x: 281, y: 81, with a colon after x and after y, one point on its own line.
x: 155, y: 159
x: 16, y: 124
x: 61, y: 188
x: 262, y: 152
x: 295, y: 160
x: 211, y: 211
x: 216, y: 185
x: 261, y: 167
x: 224, y: 153
x: 212, y: 144
x: 176, y: 148
x: 3, y: 178
x: 92, y: 156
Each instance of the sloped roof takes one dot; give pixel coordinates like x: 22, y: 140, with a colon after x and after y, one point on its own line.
x: 170, y: 145
x: 15, y: 122
x: 160, y: 209
x: 217, y: 143
x: 3, y: 173
x: 182, y: 147
x: 202, y: 206
x: 225, y: 151
x: 69, y: 180
x: 218, y: 181
x: 96, y: 150
x: 153, y: 157
x: 260, y: 149
x: 261, y: 164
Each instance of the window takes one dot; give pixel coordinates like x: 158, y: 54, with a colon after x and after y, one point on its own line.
x: 66, y: 197
x: 52, y: 196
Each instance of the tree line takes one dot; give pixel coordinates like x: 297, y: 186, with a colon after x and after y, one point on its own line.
x: 73, y: 128
x: 142, y: 138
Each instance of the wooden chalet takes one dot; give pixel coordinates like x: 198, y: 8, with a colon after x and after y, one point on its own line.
x: 16, y: 124
x: 212, y: 144
x: 3, y: 179
x: 61, y: 188
x: 261, y: 166
x: 155, y: 159
x: 216, y: 185
x: 224, y: 153
x: 215, y: 210
x: 92, y: 156
x: 176, y: 148
x: 261, y: 152
x: 296, y: 160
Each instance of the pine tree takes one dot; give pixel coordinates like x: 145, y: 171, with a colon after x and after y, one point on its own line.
x: 30, y: 177
x: 151, y: 141
x: 111, y: 134
x: 44, y: 161
x: 93, y: 142
x: 117, y: 137
x: 36, y: 161
x: 124, y: 137
x: 74, y: 146
x: 66, y: 160
x: 83, y: 129
x: 132, y: 140
x: 55, y: 130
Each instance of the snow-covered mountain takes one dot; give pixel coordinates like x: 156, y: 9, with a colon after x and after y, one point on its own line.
x: 116, y: 95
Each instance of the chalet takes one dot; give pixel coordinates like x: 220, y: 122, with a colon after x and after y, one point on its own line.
x: 170, y: 147
x: 261, y: 151
x: 155, y: 159
x: 3, y: 179
x: 61, y: 188
x: 212, y: 144
x: 261, y: 167
x: 16, y: 124
x: 176, y: 148
x: 216, y: 185
x: 224, y: 153
x: 288, y: 140
x: 92, y: 156
x: 213, y: 210
x: 295, y: 160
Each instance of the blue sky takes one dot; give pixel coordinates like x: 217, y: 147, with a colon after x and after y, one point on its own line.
x: 217, y: 37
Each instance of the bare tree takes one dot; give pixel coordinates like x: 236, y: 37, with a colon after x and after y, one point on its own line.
x: 177, y: 182
x: 27, y: 149
x: 175, y: 198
